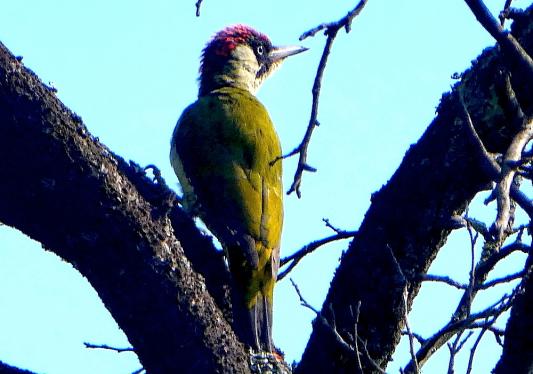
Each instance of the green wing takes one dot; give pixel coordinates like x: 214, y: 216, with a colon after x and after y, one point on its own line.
x: 222, y: 151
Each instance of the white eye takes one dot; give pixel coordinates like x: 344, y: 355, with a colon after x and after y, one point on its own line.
x: 260, y: 50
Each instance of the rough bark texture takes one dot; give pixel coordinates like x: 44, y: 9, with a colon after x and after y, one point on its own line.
x: 406, y: 224
x: 517, y: 356
x: 64, y: 189
x: 8, y: 369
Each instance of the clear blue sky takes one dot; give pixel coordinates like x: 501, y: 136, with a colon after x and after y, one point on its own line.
x: 129, y: 68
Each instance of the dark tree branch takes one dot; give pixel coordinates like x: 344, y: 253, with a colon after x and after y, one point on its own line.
x: 356, y: 335
x: 455, y: 348
x: 198, y: 5
x: 102, y: 215
x: 331, y: 30
x: 418, y: 337
x: 410, y: 335
x: 444, y: 279
x: 330, y: 225
x: 458, y: 325
x: 508, y: 43
x: 436, y: 180
x: 486, y: 326
x: 350, y: 348
x: 517, y: 356
x: 108, y: 347
x: 503, y: 189
x: 487, y: 262
x: 502, y: 16
x: 497, y: 281
x: 494, y: 282
x: 297, y: 256
x: 8, y: 369
x: 491, y: 167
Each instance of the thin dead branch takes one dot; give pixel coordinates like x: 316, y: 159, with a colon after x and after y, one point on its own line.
x: 108, y: 347
x: 444, y: 279
x: 297, y: 256
x: 455, y: 347
x: 331, y: 30
x: 505, y: 279
x: 198, y: 5
x: 462, y: 318
x: 487, y: 325
x: 418, y: 337
x: 334, y: 228
x: 345, y: 345
x: 456, y: 325
x: 503, y: 14
x: 356, y: 334
x: 409, y: 333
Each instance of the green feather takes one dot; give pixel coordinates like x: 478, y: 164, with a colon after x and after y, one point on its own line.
x: 223, y: 150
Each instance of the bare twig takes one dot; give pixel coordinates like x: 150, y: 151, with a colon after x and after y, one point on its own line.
x: 456, y: 325
x: 505, y: 279
x: 345, y: 22
x: 461, y: 286
x: 331, y: 30
x: 456, y: 347
x: 498, y: 335
x: 472, y: 274
x: 489, y: 165
x: 336, y: 229
x: 444, y: 279
x: 303, y: 302
x: 198, y: 5
x: 479, y: 227
x: 409, y: 333
x: 107, y: 347
x: 488, y: 323
x: 297, y: 256
x: 418, y: 337
x: 461, y: 318
x: 346, y: 346
x: 356, y: 335
x: 503, y: 13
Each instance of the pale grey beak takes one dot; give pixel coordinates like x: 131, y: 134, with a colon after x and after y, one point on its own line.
x: 279, y: 53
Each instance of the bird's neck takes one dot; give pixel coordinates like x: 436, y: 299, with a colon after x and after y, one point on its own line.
x: 239, y: 71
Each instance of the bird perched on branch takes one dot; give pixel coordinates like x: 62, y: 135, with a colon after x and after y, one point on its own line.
x: 223, y: 151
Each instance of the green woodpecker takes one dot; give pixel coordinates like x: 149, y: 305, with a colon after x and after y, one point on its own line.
x: 223, y: 151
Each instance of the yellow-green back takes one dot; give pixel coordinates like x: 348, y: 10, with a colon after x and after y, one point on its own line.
x: 222, y: 152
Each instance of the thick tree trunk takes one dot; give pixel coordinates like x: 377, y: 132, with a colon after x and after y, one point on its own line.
x: 517, y: 356
x: 408, y: 221
x: 61, y: 187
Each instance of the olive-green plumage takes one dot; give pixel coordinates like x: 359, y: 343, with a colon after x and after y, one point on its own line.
x: 223, y: 151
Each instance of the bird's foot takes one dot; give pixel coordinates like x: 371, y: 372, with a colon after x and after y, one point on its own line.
x: 262, y: 362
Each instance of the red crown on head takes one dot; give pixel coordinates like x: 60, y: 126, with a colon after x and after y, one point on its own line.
x: 227, y: 39
x: 219, y: 48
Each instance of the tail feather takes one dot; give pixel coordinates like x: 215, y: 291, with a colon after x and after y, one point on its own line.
x: 254, y: 325
x: 252, y: 293
x: 263, y: 322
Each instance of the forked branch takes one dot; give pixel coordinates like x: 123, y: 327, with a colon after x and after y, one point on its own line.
x: 331, y: 30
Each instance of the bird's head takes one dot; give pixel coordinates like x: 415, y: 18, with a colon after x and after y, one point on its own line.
x: 239, y: 56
